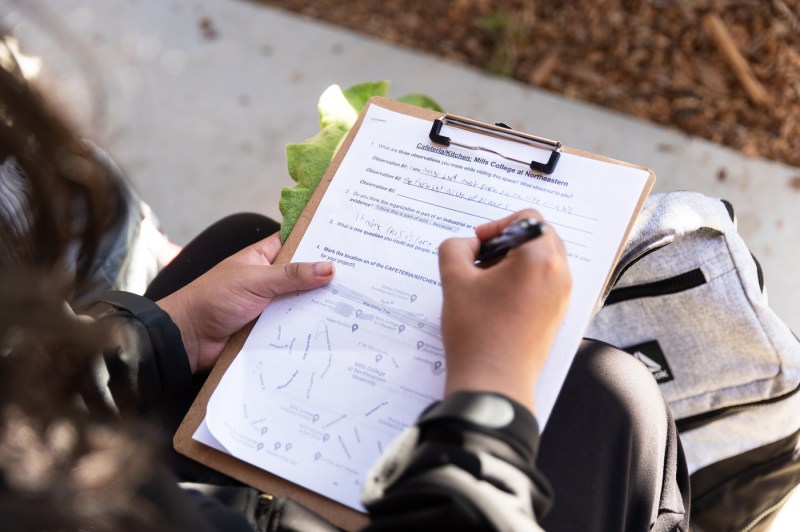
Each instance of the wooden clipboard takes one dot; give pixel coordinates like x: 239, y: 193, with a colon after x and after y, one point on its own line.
x: 260, y: 479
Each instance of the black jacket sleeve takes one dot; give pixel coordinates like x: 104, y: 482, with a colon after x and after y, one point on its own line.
x: 145, y: 359
x: 454, y: 470
x: 144, y: 364
x: 468, y: 464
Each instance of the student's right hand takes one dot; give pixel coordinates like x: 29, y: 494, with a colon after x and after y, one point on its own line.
x: 499, y: 323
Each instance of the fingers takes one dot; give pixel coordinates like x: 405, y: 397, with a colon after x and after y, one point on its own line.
x: 293, y: 277
x: 492, y: 229
x: 457, y: 256
x: 256, y: 273
x: 267, y: 248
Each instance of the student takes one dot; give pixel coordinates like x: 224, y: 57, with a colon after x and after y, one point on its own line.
x: 80, y: 395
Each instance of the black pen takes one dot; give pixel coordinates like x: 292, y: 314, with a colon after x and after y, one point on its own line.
x: 512, y: 236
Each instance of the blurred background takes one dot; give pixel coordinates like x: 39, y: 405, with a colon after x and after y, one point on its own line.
x: 723, y: 70
x: 196, y: 99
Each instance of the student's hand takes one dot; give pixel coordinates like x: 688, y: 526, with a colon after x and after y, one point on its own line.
x: 499, y: 322
x: 233, y: 293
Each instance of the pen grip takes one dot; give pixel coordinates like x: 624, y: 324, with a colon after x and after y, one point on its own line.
x: 514, y: 235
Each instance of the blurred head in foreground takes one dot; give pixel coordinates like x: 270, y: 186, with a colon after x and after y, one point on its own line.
x: 60, y: 467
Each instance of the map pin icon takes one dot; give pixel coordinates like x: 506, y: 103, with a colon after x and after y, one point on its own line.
x: 315, y: 418
x: 401, y: 328
x: 325, y: 437
x: 354, y: 327
x: 317, y: 456
x: 420, y: 344
x: 259, y: 446
x: 277, y: 445
x: 378, y: 358
x: 359, y: 312
x: 264, y: 430
x: 413, y: 297
x: 437, y: 365
x: 288, y: 447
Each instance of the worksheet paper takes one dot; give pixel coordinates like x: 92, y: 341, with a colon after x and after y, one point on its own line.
x: 328, y: 378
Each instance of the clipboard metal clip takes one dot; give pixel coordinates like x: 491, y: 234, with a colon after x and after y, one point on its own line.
x: 501, y: 131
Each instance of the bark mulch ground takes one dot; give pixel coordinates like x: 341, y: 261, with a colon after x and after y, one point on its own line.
x: 724, y: 70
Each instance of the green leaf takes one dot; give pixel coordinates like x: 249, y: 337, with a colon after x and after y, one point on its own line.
x: 358, y: 95
x: 334, y: 109
x: 420, y: 100
x: 308, y: 161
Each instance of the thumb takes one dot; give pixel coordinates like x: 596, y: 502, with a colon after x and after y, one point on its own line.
x: 295, y: 276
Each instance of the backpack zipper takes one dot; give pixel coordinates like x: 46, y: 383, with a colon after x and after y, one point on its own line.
x: 698, y: 420
x: 671, y: 285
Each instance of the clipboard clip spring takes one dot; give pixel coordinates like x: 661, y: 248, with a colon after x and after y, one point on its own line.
x: 500, y: 131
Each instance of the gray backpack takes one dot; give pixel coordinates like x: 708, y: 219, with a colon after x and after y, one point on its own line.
x: 687, y: 299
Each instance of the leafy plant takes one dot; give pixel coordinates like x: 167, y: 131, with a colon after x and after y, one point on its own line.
x: 308, y: 160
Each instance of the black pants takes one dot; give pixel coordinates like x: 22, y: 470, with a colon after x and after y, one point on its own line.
x: 216, y: 243
x: 610, y: 448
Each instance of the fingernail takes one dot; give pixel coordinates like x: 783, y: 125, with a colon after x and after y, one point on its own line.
x: 323, y: 269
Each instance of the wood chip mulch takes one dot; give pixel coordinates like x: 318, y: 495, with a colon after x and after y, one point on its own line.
x: 724, y: 70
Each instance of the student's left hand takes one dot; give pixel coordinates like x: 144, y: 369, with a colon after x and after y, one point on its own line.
x: 233, y: 293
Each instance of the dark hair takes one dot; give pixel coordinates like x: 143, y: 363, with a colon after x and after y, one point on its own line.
x: 61, y: 467
x: 65, y: 195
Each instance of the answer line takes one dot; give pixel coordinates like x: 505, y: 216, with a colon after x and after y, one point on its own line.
x: 459, y: 197
x: 459, y: 181
x: 446, y: 208
x: 488, y: 205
